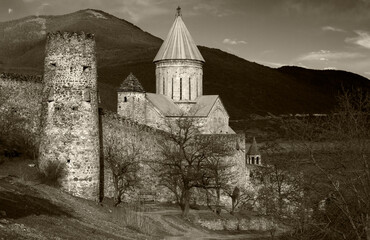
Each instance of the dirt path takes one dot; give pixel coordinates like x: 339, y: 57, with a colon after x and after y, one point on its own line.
x: 182, y: 229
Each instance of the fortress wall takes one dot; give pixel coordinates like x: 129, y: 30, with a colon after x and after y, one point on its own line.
x: 20, y: 103
x: 69, y: 123
x: 143, y: 137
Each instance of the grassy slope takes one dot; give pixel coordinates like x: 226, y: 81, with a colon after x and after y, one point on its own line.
x: 37, y: 211
x: 31, y: 210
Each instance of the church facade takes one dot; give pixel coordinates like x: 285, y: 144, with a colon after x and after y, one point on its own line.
x: 179, y: 88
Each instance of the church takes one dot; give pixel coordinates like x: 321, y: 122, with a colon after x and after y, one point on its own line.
x: 179, y: 88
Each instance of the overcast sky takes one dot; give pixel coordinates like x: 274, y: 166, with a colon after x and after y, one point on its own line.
x: 315, y: 34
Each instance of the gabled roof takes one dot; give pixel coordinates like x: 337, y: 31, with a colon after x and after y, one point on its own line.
x: 131, y: 84
x: 253, y: 149
x: 203, y: 105
x: 178, y: 44
x: 164, y: 104
x: 231, y: 131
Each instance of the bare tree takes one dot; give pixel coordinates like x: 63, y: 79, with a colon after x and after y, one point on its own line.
x: 123, y: 158
x: 219, y: 173
x: 240, y: 196
x: 338, y: 149
x: 185, y: 159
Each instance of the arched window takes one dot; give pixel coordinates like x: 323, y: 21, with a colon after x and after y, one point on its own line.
x: 252, y: 160
x: 257, y: 160
x: 125, y: 99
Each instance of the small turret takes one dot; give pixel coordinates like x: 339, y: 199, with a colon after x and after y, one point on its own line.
x: 131, y: 100
x: 253, y: 155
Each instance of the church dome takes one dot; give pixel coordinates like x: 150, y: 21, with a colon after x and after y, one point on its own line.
x: 179, y: 45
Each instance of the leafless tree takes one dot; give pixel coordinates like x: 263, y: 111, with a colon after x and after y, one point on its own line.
x: 338, y: 149
x: 188, y: 159
x: 123, y: 158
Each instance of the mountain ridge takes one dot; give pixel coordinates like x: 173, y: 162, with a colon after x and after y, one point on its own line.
x: 245, y: 87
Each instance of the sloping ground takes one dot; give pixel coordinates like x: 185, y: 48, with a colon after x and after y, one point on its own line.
x: 30, y: 210
x: 46, y: 213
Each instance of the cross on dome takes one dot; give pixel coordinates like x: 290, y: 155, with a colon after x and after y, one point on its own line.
x: 178, y: 13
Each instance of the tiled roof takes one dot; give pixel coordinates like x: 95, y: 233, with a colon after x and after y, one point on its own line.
x: 131, y: 84
x: 253, y: 149
x: 203, y: 105
x: 164, y: 104
x: 179, y: 44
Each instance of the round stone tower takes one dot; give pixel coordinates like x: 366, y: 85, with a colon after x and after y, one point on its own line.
x: 70, y: 130
x: 179, y: 65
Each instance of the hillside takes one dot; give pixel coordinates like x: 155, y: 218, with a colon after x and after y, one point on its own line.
x: 32, y: 210
x: 245, y: 87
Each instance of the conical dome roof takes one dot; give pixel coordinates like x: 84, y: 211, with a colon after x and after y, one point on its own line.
x: 179, y: 44
x: 253, y: 149
x: 131, y: 84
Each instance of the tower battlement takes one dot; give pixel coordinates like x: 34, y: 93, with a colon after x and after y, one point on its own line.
x: 69, y: 36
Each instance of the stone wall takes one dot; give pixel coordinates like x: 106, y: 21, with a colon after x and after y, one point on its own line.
x: 254, y: 223
x: 69, y: 123
x: 180, y: 80
x: 132, y: 105
x: 143, y: 137
x: 147, y: 139
x: 20, y: 98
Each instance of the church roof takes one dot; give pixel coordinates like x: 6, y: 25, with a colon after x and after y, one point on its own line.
x: 131, y: 84
x: 253, y: 149
x: 178, y: 44
x: 203, y: 105
x: 164, y: 104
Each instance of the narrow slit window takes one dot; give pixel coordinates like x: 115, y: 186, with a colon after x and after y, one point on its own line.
x: 172, y: 89
x: 51, y: 95
x: 163, y: 83
x: 125, y: 99
x: 189, y: 88
x: 196, y: 90
x: 180, y: 88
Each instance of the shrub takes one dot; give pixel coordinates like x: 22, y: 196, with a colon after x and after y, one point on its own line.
x: 52, y: 173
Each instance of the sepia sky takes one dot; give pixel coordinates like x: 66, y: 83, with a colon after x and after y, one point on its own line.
x: 317, y: 34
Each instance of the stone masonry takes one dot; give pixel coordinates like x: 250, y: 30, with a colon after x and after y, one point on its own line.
x: 69, y: 122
